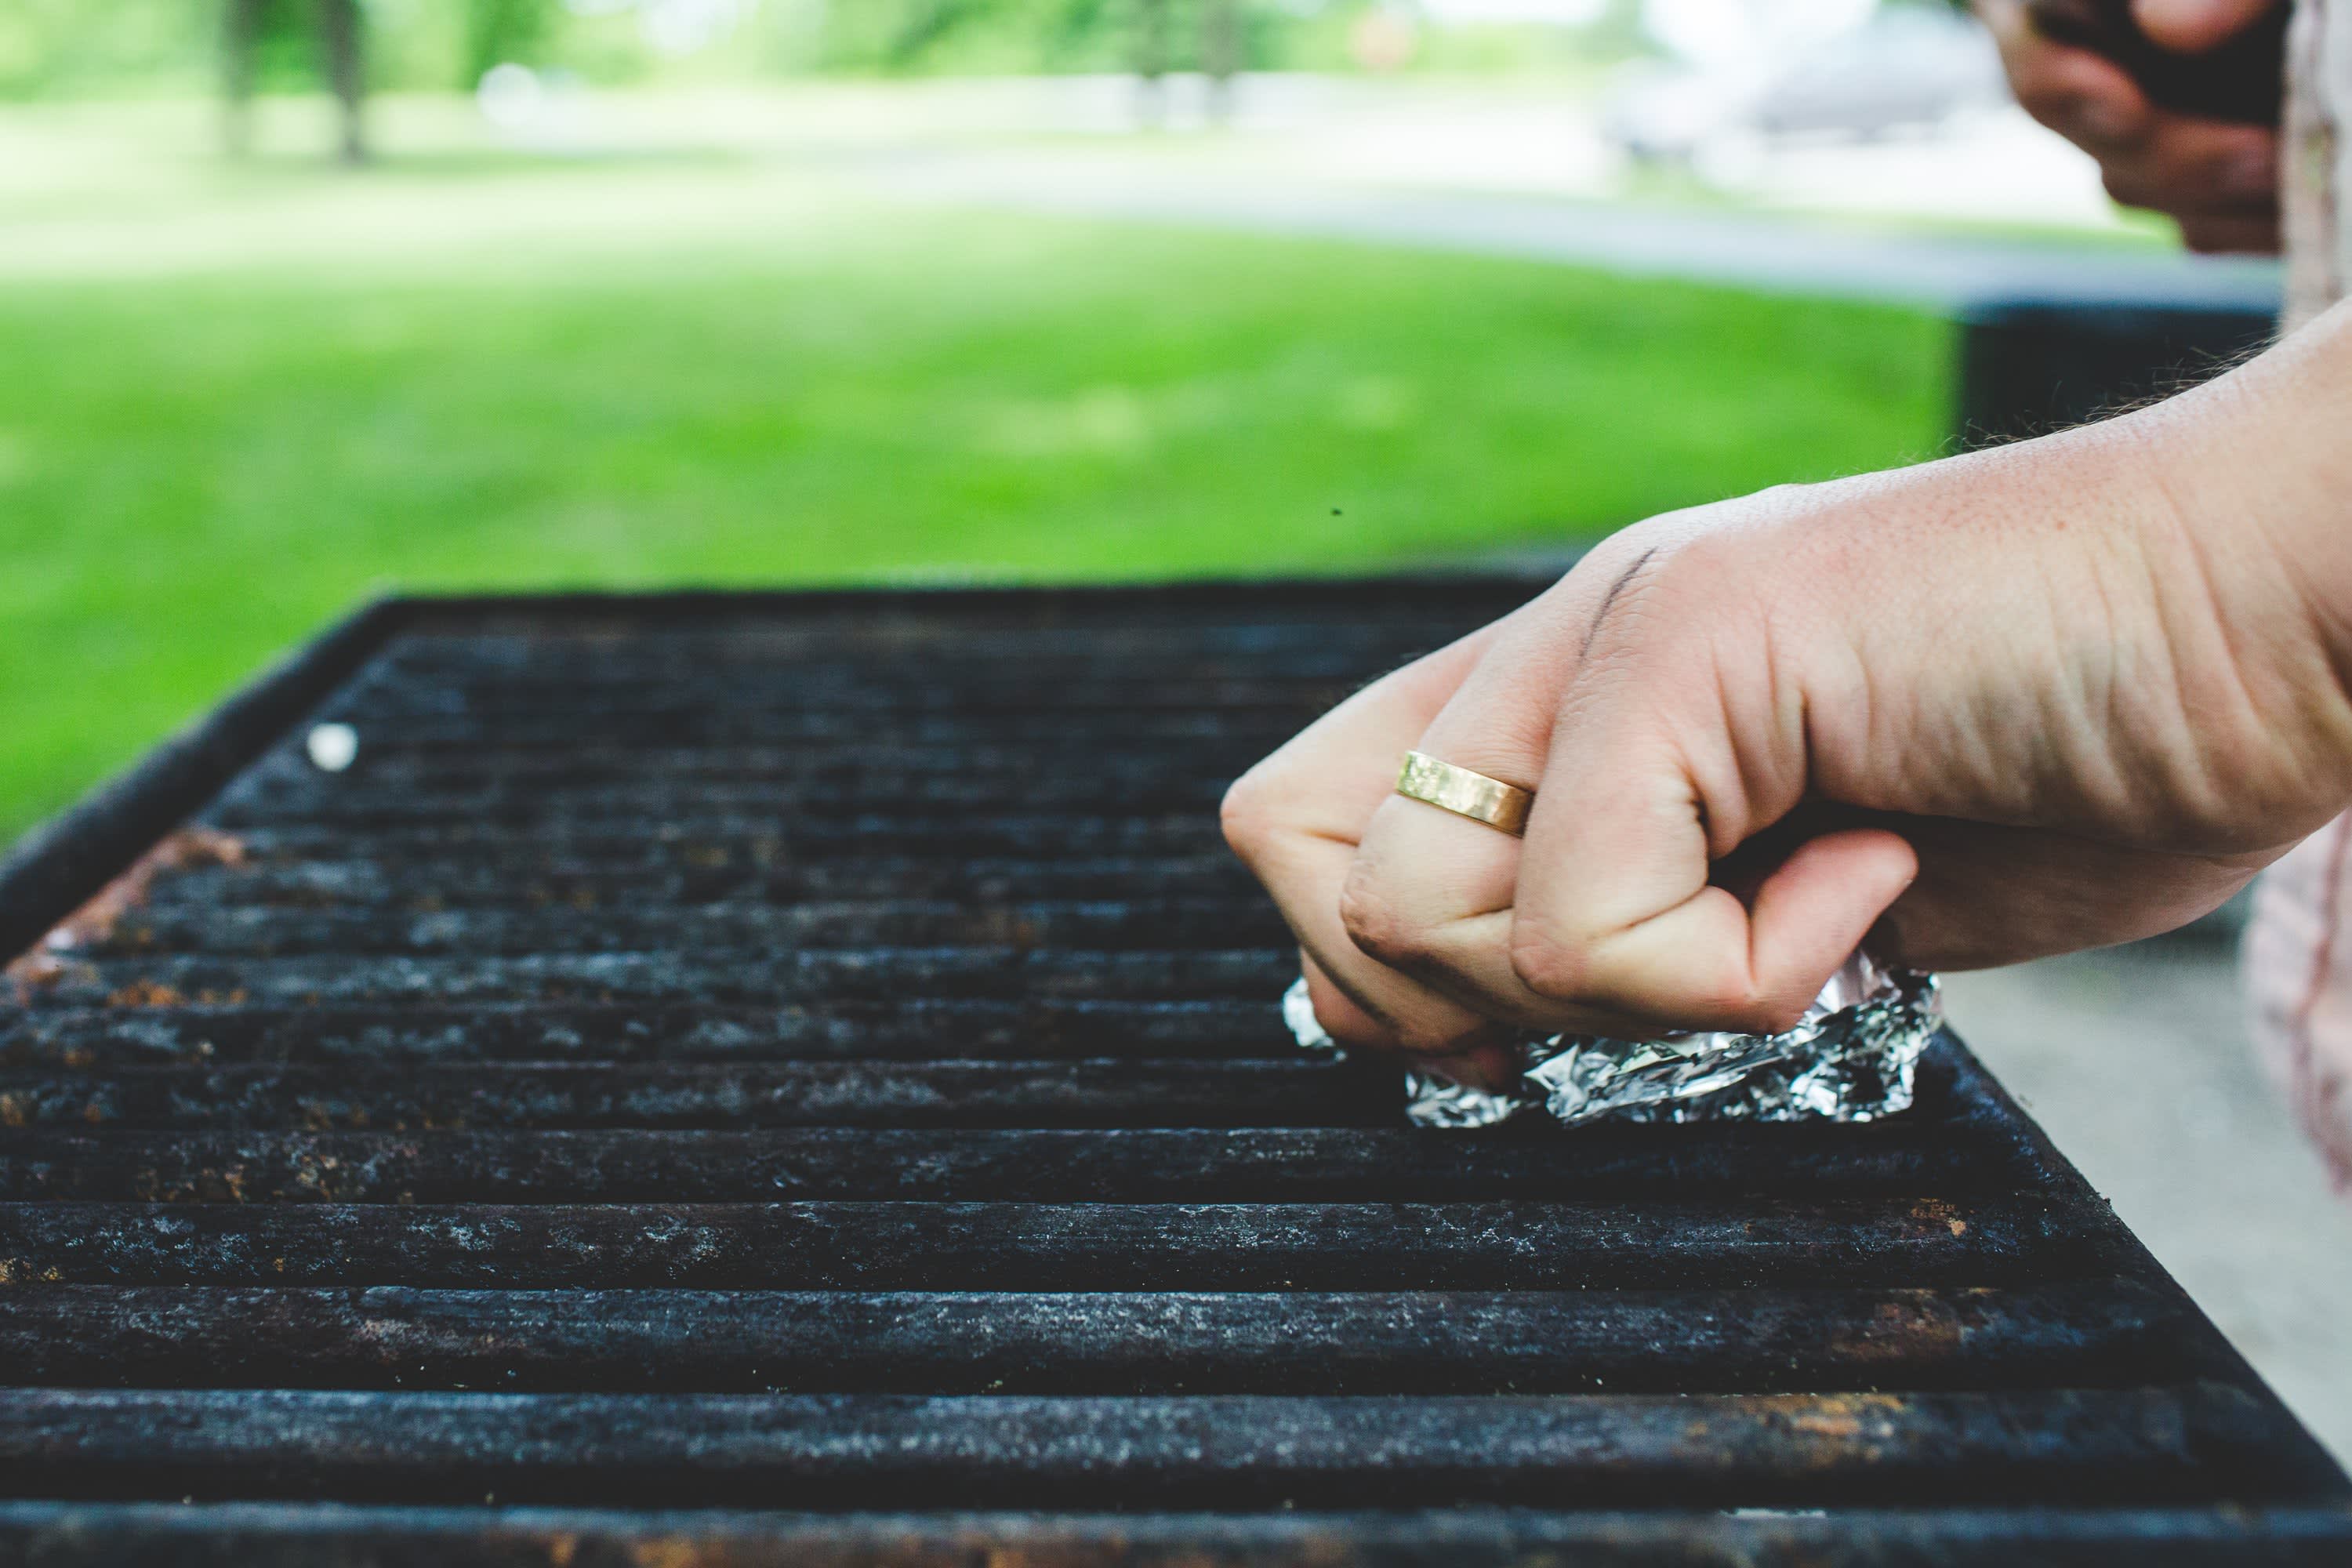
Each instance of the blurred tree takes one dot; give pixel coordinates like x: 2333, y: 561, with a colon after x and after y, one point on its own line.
x: 52, y: 47
x: 499, y: 31
x: 341, y: 49
x: 922, y: 29
x: 118, y: 48
x: 909, y: 36
x: 1221, y: 42
x: 926, y: 25
x: 1154, y: 35
x: 1220, y: 49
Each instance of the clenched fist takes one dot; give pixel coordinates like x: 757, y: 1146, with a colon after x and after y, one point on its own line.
x: 2063, y: 693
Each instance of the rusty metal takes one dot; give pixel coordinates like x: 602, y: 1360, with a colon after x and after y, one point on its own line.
x: 684, y: 1065
x: 978, y: 1341
x: 1237, y: 1450
x: 1291, y: 1164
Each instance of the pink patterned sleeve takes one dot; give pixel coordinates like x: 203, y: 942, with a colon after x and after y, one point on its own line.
x: 2298, y: 981
x: 2298, y: 951
x: 2318, y: 76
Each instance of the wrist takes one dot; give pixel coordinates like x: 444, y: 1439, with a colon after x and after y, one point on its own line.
x: 2249, y: 515
x: 2258, y: 471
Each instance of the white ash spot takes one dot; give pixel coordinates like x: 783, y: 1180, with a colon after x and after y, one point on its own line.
x: 332, y: 747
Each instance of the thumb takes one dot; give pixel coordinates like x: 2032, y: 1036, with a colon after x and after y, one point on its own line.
x: 1664, y: 760
x: 2193, y: 26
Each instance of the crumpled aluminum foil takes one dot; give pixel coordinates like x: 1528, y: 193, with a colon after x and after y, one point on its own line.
x: 1850, y: 1058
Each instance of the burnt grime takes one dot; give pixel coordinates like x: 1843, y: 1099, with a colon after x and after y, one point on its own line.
x: 797, y: 1078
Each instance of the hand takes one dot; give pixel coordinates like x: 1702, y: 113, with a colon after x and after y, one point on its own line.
x: 2219, y: 181
x: 2055, y: 695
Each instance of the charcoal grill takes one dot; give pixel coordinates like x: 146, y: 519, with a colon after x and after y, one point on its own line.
x: 797, y: 1078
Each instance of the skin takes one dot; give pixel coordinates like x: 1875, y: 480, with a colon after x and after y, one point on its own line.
x: 2218, y: 181
x: 2060, y: 694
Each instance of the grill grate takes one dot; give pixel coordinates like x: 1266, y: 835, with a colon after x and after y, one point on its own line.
x: 808, y: 1061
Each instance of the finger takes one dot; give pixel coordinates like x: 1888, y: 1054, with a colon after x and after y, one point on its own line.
x: 1423, y: 879
x: 1296, y: 819
x: 1409, y: 1016
x: 2193, y: 26
x: 1431, y: 893
x: 1650, y: 933
x: 2185, y: 164
x: 2230, y: 235
x: 1989, y: 895
x: 1337, y: 1011
x: 1679, y: 739
x: 2085, y: 97
x: 1484, y: 1061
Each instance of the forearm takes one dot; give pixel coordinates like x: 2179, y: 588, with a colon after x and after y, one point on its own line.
x: 2281, y: 440
x: 2257, y: 466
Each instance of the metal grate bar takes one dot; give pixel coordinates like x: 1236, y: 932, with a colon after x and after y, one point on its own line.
x: 826, y: 1245
x: 1147, y: 923
x: 1370, y: 1342
x: 693, y: 837
x: 964, y: 1028
x: 424, y: 887
x: 813, y: 1052
x: 1146, y: 1093
x: 1084, y: 796
x: 854, y: 1450
x: 744, y: 975
x: 1291, y: 1164
x: 276, y: 1535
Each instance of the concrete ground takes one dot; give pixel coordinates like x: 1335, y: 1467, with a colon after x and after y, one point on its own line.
x: 2136, y: 1062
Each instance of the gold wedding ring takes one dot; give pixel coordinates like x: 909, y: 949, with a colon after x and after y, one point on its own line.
x: 1465, y: 794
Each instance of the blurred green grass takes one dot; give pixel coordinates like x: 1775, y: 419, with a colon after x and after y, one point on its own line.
x: 204, y: 457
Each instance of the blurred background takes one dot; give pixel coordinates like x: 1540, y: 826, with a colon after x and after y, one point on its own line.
x: 303, y: 301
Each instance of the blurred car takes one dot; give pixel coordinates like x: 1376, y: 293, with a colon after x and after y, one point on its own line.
x: 1904, y: 69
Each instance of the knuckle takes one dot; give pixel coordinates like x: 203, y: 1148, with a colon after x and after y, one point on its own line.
x: 1248, y: 814
x: 1700, y: 561
x: 1511, y: 747
x: 1379, y: 926
x: 1635, y: 585
x: 1551, y: 967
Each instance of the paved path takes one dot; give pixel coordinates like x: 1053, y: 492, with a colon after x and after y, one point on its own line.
x: 1941, y: 269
